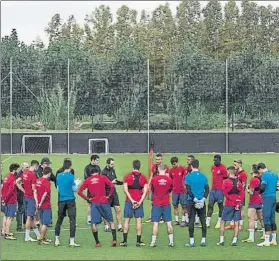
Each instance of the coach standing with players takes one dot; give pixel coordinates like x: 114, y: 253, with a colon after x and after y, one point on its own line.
x: 197, y: 191
x: 109, y: 172
x: 94, y: 163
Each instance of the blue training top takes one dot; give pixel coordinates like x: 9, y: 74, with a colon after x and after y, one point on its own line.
x: 197, y: 181
x: 66, y: 186
x: 270, y: 179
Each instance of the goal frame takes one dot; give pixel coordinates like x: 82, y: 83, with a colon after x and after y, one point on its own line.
x: 101, y: 139
x: 36, y: 136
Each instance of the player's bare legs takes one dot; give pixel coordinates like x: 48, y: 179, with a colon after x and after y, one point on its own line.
x: 185, y: 217
x: 8, y: 234
x: 95, y: 234
x: 155, y: 229
x: 118, y: 216
x: 139, y: 231
x: 221, y: 233
x: 125, y: 231
x: 170, y: 233
x: 3, y: 225
x: 236, y: 231
x: 30, y: 223
x: 176, y: 215
x: 251, y: 218
x: 242, y: 219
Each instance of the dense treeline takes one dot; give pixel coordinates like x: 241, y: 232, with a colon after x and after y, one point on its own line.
x: 187, y: 52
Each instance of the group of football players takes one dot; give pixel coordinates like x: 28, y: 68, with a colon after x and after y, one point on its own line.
x: 187, y: 186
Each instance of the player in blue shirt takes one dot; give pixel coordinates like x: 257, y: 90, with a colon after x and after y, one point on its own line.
x: 197, y: 191
x: 66, y: 186
x: 269, y: 183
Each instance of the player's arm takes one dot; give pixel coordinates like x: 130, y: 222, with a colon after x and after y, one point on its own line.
x: 263, y: 185
x: 126, y: 190
x: 145, y: 189
x: 10, y: 191
x: 188, y: 187
x: 83, y: 187
x: 112, y: 189
x: 36, y: 198
x: 19, y: 184
x: 241, y: 194
x: 251, y: 188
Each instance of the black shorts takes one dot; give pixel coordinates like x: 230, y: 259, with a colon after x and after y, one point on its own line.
x: 67, y: 207
x: 114, y: 201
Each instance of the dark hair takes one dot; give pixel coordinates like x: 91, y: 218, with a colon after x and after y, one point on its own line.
x: 13, y: 167
x: 35, y: 162
x: 159, y: 155
x: 255, y: 169
x: 173, y: 160
x: 195, y: 164
x: 261, y: 166
x: 47, y: 170
x: 217, y: 156
x: 136, y: 164
x: 109, y: 160
x: 94, y: 170
x: 94, y: 157
x: 67, y: 164
x: 231, y: 168
x: 191, y: 156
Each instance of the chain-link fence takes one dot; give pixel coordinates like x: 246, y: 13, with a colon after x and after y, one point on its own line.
x: 190, y: 93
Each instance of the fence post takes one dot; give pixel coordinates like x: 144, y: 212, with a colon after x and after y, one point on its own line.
x: 69, y: 97
x: 148, y: 109
x: 11, y: 104
x: 227, y: 109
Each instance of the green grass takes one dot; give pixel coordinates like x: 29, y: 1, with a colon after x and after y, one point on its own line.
x: 18, y: 250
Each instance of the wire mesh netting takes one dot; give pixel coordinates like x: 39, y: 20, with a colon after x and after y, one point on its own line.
x: 211, y: 69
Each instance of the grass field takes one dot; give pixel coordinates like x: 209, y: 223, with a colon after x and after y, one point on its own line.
x: 18, y: 250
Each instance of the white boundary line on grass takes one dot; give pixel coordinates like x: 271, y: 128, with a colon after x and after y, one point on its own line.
x: 7, y: 159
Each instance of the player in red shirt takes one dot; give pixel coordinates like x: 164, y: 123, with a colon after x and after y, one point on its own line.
x: 135, y: 187
x: 234, y: 194
x: 43, y: 198
x: 255, y: 204
x: 219, y: 174
x: 99, y: 200
x: 28, y: 178
x: 242, y: 177
x: 177, y: 174
x: 161, y: 186
x: 155, y: 172
x: 9, y: 199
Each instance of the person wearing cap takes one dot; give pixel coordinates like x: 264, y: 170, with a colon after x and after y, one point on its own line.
x: 269, y: 183
x: 197, y: 190
x: 161, y: 186
x: 255, y: 204
x: 216, y: 195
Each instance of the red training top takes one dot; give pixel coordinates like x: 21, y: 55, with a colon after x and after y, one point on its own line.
x: 135, y: 190
x: 161, y: 187
x: 155, y: 170
x: 219, y: 173
x: 96, y: 185
x: 233, y: 191
x: 178, y: 176
x: 256, y: 198
x: 43, y: 186
x: 28, y: 178
x: 9, y: 191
